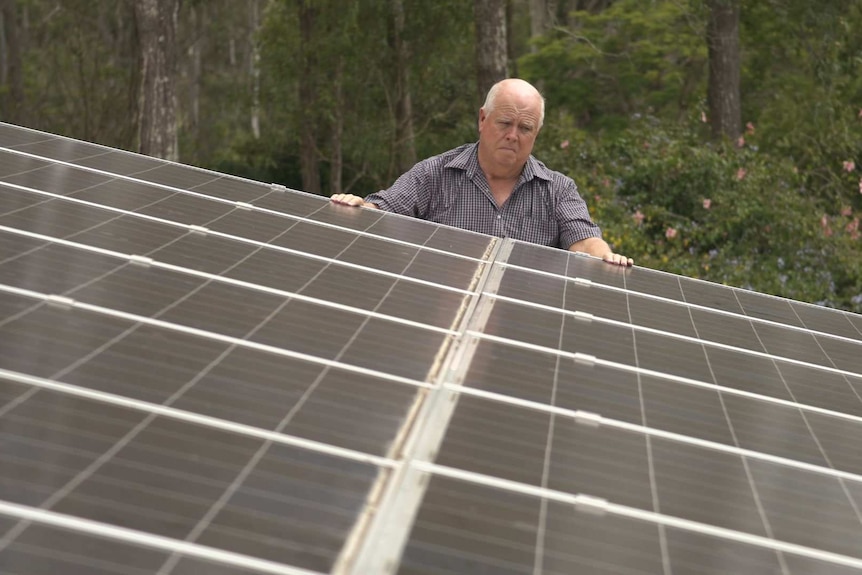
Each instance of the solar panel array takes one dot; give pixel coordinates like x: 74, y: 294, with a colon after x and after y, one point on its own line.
x: 205, y: 374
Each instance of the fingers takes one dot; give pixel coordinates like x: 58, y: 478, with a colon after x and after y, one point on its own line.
x: 347, y: 199
x: 619, y: 260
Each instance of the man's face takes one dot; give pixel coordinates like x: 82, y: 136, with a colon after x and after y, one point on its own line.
x: 508, y: 132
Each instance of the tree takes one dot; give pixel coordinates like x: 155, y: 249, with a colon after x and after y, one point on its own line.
x: 542, y: 18
x: 630, y: 58
x: 491, y: 48
x: 11, y: 65
x: 405, y: 145
x: 723, y: 96
x: 308, y: 100
x: 157, y: 106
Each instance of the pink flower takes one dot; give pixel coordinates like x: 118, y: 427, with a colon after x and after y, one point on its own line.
x: 852, y: 226
x: 740, y: 173
x: 703, y: 116
x: 846, y: 211
x: 564, y: 144
x: 598, y: 198
x: 849, y: 166
x: 749, y: 129
x: 670, y: 233
x: 824, y: 221
x: 638, y: 217
x: 606, y: 183
x: 740, y: 142
x: 707, y: 203
x: 860, y: 185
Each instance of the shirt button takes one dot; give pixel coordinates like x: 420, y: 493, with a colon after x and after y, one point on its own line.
x: 499, y: 217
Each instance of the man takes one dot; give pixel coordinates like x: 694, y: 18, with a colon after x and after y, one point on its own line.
x: 496, y: 186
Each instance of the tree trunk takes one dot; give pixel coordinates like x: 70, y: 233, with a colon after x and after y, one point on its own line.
x: 542, y: 18
x: 157, y: 109
x: 405, y: 138
x: 336, y: 162
x: 309, y: 158
x: 13, y: 78
x: 197, y: 21
x: 490, y: 17
x: 723, y: 97
x: 254, y: 65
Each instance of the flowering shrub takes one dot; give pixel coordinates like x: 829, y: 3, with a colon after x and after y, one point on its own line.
x: 727, y: 213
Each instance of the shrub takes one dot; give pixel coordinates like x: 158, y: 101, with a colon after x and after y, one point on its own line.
x: 727, y: 212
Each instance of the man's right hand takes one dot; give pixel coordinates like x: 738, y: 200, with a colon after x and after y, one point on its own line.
x: 351, y: 200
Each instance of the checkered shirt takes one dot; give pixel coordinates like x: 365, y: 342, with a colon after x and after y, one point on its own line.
x: 544, y: 208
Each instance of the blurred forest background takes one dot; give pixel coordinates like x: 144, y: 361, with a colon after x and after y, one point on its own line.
x: 718, y: 139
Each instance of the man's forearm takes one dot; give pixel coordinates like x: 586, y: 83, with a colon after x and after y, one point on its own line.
x: 593, y: 246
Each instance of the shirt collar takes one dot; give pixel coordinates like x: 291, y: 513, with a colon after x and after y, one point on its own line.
x: 468, y: 160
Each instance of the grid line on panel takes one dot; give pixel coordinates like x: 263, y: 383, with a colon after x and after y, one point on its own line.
x: 134, y: 318
x: 75, y: 201
x: 681, y: 337
x: 236, y: 204
x: 106, y: 456
x: 735, y: 290
x: 594, y: 419
x: 683, y: 303
x: 163, y: 410
x: 851, y: 500
x: 228, y: 493
x: 146, y: 261
x: 744, y: 460
x: 656, y: 503
x: 538, y: 560
x: 203, y: 230
x: 117, y: 533
x: 584, y: 503
x: 381, y: 544
x: 591, y: 360
x: 107, y: 150
x: 238, y: 480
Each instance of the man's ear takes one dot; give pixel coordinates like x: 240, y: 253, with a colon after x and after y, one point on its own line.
x: 482, y: 117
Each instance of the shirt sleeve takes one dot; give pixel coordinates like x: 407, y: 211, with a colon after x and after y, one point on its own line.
x: 408, y: 196
x: 572, y: 214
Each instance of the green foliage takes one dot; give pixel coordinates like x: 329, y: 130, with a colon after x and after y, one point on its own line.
x: 357, y: 40
x: 83, y: 85
x: 736, y: 216
x: 632, y: 57
x: 802, y: 86
x: 625, y: 84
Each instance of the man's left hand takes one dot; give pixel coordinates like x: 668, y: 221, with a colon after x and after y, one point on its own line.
x: 617, y: 259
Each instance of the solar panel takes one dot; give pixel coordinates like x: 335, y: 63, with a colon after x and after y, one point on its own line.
x: 205, y: 374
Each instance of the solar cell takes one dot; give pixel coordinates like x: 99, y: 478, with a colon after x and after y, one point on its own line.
x: 201, y: 373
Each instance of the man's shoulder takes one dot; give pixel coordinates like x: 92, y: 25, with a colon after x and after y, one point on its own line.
x: 540, y: 170
x: 459, y: 157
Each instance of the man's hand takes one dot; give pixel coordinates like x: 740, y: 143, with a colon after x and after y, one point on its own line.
x: 351, y: 200
x: 600, y: 248
x: 617, y: 259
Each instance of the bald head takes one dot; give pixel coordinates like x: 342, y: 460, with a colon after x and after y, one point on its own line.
x: 515, y: 87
